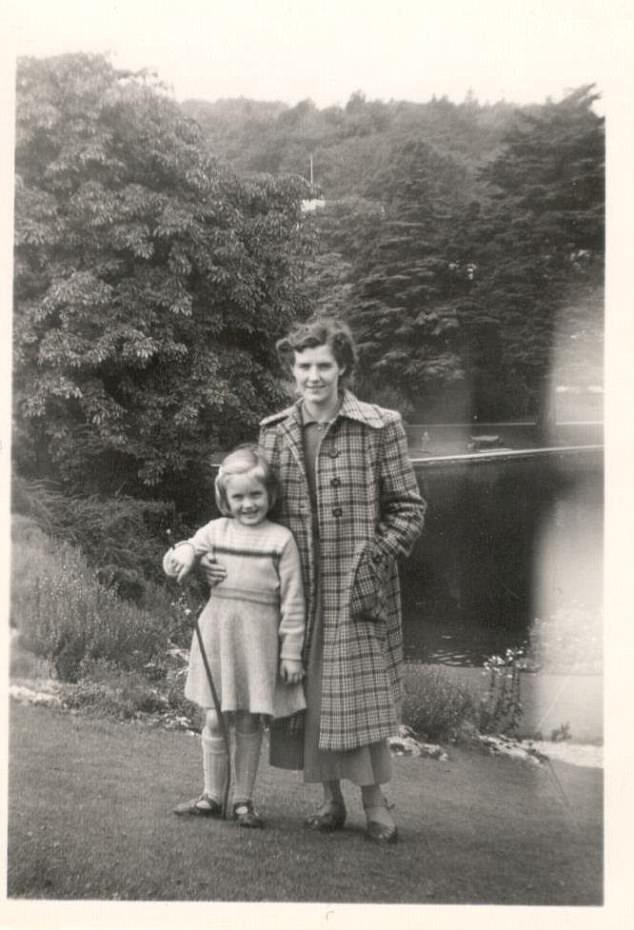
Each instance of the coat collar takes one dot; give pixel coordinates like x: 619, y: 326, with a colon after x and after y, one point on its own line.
x: 356, y: 409
x: 290, y: 422
x: 351, y: 407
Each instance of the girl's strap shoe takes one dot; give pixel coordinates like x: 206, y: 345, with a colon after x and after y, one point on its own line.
x: 246, y: 815
x: 204, y: 806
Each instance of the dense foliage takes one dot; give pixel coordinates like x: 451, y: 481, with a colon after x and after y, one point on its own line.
x: 122, y: 537
x: 150, y: 284
x: 155, y: 265
x: 66, y: 616
x: 465, y: 242
x: 535, y: 310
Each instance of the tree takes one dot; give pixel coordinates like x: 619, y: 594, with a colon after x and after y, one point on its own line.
x: 538, y: 244
x: 461, y: 239
x: 150, y: 284
x: 402, y: 300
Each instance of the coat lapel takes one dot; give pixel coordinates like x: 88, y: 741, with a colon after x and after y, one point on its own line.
x: 291, y: 428
x: 355, y: 409
x: 351, y: 407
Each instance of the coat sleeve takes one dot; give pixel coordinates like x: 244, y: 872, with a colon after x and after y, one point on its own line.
x: 292, y: 606
x: 402, y: 513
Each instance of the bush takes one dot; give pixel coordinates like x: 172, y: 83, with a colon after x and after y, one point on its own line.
x: 66, y: 616
x: 24, y: 665
x: 106, y: 690
x: 434, y: 705
x: 122, y: 538
x: 117, y: 694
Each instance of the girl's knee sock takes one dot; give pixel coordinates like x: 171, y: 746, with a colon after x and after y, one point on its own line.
x: 246, y: 758
x: 215, y: 766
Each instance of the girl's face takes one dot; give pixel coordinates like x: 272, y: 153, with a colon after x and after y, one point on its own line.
x: 317, y: 374
x: 248, y: 499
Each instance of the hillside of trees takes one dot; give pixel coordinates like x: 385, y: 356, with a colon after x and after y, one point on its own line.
x: 464, y: 242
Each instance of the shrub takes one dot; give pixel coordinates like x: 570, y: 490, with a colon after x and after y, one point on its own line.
x: 115, y: 693
x: 168, y: 601
x: 436, y: 706
x: 120, y: 537
x: 23, y: 664
x: 106, y: 690
x: 66, y: 616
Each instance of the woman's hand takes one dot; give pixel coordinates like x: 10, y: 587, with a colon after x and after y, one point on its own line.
x: 291, y: 671
x: 367, y: 597
x: 214, y: 571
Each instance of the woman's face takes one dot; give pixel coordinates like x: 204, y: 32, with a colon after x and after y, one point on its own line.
x: 317, y: 374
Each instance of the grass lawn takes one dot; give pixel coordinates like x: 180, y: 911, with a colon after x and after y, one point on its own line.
x: 90, y: 818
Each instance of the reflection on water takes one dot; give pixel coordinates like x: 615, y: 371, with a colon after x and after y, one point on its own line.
x: 461, y: 641
x: 506, y: 542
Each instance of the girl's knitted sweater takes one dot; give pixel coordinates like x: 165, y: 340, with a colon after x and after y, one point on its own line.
x: 263, y: 567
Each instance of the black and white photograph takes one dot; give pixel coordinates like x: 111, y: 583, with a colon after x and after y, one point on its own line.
x: 307, y: 400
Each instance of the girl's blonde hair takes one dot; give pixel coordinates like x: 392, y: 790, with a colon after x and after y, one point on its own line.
x: 245, y: 460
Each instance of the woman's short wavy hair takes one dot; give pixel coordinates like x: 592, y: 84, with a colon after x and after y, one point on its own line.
x: 321, y: 331
x: 247, y: 459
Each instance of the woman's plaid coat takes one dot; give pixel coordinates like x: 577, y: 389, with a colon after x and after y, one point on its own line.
x: 369, y: 513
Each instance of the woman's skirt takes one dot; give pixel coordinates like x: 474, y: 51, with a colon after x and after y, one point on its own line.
x: 298, y: 747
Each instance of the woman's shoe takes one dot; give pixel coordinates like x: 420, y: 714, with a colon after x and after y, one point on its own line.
x: 246, y: 815
x: 377, y: 830
x: 204, y: 806
x: 331, y: 816
x: 380, y: 832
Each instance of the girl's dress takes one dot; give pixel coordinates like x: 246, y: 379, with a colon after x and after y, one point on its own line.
x: 254, y: 618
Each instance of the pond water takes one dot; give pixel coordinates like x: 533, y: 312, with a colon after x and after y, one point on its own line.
x: 511, y: 544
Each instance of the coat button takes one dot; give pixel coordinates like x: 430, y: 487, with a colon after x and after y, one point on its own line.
x: 337, y: 511
x: 333, y: 453
x: 335, y: 482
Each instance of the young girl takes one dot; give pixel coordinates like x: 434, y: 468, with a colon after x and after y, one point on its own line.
x: 252, y: 625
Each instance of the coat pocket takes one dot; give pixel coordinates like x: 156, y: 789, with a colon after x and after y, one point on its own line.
x: 367, y: 590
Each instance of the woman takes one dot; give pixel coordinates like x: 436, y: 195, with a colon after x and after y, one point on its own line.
x: 350, y: 498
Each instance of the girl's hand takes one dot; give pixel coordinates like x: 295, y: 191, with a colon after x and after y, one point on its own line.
x: 214, y: 571
x: 291, y: 671
x: 177, y: 563
x: 183, y: 572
